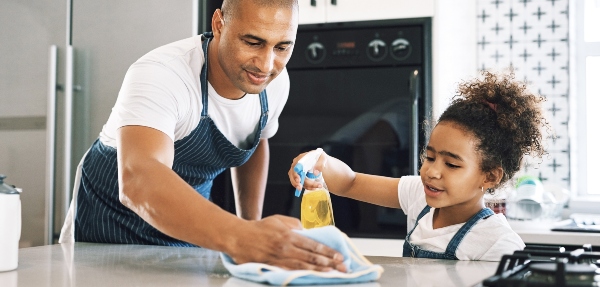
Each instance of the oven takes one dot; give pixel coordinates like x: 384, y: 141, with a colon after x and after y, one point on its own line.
x: 359, y: 90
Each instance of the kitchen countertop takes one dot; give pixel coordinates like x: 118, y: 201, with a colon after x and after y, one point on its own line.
x: 538, y: 232
x: 532, y: 232
x: 91, y: 264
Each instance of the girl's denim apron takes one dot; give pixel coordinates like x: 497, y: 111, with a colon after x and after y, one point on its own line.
x: 411, y: 250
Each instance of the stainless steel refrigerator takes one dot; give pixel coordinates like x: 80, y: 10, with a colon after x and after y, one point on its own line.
x: 62, y: 63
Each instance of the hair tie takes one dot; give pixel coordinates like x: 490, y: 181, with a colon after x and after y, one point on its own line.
x: 490, y: 104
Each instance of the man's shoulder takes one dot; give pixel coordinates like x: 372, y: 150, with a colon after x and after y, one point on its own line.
x: 182, y: 49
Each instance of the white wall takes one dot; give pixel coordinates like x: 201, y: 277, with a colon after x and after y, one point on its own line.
x: 454, y: 49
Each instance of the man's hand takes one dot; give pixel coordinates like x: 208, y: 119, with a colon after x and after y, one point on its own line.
x: 272, y: 241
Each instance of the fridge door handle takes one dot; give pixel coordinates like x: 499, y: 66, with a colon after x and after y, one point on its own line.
x: 313, y: 3
x: 68, y: 126
x: 414, y: 145
x: 51, y: 143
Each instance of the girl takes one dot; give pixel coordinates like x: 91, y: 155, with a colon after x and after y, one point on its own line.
x: 476, y: 146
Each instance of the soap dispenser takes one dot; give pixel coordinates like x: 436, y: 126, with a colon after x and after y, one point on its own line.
x: 10, y: 225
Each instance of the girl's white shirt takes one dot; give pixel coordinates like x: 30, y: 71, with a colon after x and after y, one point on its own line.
x: 488, y: 240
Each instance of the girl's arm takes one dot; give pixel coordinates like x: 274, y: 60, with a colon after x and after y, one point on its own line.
x: 343, y: 181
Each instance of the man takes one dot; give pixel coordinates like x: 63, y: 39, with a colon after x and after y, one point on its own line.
x: 186, y: 111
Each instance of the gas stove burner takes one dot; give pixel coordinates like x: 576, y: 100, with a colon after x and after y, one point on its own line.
x: 570, y: 268
x: 561, y: 273
x: 550, y: 266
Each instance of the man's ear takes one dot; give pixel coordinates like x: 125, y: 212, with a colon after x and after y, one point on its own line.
x: 494, y: 177
x: 217, y: 22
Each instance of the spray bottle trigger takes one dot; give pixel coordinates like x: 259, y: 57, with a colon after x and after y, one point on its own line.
x: 298, y: 191
x: 298, y: 168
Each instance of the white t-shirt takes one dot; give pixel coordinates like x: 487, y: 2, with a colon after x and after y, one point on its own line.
x: 162, y: 90
x: 488, y: 240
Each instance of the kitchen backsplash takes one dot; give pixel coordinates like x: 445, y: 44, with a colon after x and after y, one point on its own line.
x: 532, y: 36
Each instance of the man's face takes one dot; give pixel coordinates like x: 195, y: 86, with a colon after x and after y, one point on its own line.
x: 256, y: 44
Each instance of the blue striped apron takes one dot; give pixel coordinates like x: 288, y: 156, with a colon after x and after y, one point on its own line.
x: 199, y: 158
x: 411, y: 250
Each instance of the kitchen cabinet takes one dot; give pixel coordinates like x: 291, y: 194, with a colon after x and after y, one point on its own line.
x: 312, y: 11
x: 322, y: 11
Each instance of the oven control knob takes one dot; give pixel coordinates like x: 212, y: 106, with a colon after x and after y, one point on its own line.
x: 315, y: 52
x: 401, y: 49
x: 377, y: 50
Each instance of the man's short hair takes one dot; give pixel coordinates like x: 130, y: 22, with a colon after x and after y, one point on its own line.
x: 230, y: 8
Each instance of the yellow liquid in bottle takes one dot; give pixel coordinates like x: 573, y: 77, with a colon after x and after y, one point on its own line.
x: 315, y: 209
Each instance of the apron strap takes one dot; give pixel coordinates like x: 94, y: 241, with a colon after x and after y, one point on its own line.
x: 203, y: 74
x: 460, y: 234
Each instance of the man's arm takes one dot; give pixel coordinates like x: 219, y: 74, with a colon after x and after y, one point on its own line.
x: 249, y: 183
x: 149, y: 187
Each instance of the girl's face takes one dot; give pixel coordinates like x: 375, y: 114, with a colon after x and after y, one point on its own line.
x: 451, y: 170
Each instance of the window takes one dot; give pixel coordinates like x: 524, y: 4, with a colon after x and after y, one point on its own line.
x: 586, y: 96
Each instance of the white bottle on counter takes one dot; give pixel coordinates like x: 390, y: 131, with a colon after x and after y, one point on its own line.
x: 10, y: 226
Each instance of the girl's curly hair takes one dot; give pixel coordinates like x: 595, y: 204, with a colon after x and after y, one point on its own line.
x: 503, y: 116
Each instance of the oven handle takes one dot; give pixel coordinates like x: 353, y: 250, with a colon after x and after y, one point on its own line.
x: 414, y: 145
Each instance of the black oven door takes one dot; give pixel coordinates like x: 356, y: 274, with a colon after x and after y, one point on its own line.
x: 362, y: 116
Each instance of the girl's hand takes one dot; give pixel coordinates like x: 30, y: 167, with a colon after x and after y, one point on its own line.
x: 317, y: 169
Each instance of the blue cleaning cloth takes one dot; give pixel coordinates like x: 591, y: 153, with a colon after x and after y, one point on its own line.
x: 359, y: 268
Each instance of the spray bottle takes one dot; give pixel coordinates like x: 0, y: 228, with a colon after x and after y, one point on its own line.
x: 315, y: 209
